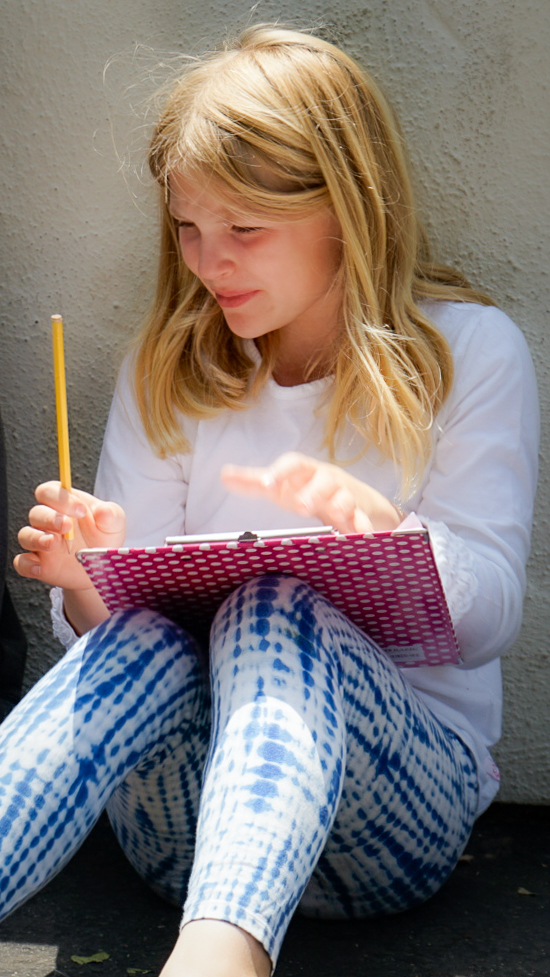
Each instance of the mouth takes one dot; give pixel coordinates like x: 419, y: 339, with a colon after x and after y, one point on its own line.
x: 230, y: 300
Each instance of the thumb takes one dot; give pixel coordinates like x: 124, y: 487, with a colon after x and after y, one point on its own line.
x: 109, y: 518
x: 362, y: 522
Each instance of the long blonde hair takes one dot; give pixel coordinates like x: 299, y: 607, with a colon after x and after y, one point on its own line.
x: 324, y: 136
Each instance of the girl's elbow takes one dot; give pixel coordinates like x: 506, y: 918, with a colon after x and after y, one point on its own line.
x: 490, y: 627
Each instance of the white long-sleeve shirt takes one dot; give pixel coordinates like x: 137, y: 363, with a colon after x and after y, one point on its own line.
x: 475, y: 496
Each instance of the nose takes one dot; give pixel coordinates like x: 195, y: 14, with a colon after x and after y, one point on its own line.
x: 214, y: 258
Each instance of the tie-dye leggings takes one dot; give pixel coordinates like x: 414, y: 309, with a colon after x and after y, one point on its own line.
x: 314, y: 775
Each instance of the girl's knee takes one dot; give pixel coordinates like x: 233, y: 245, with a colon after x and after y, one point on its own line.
x: 270, y: 623
x: 138, y: 625
x: 139, y: 642
x: 262, y: 596
x: 135, y: 619
x: 256, y: 613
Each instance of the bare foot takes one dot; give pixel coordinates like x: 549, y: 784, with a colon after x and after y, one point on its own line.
x: 214, y: 948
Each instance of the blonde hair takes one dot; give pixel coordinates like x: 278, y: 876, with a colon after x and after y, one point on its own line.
x: 285, y: 122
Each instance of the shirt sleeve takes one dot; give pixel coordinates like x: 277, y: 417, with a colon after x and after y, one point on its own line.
x: 151, y: 490
x: 63, y: 631
x: 477, y: 497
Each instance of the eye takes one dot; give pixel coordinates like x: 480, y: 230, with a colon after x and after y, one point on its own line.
x: 182, y: 225
x: 245, y: 230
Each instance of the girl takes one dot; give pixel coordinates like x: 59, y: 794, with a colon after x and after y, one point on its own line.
x: 304, y: 353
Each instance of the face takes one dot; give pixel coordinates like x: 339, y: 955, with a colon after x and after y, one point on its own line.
x: 265, y: 276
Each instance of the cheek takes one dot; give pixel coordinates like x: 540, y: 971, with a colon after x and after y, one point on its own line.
x: 189, y: 253
x: 330, y: 257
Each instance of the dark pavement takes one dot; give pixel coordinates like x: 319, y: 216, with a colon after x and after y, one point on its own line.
x: 491, y: 918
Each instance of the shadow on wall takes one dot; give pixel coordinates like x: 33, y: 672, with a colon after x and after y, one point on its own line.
x: 13, y: 644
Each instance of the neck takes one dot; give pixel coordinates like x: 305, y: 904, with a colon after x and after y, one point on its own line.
x: 290, y: 372
x: 303, y: 358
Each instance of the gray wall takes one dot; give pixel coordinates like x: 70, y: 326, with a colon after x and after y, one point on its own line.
x: 470, y: 81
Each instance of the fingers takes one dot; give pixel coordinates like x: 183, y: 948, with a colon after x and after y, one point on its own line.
x: 334, y: 506
x: 289, y: 470
x: 109, y: 517
x: 47, y: 520
x: 27, y: 565
x: 103, y: 524
x: 35, y: 539
x: 96, y: 519
x: 294, y: 468
x: 305, y: 486
x: 334, y: 503
x: 53, y: 496
x: 313, y: 488
x: 247, y: 481
x: 48, y: 555
x: 41, y: 539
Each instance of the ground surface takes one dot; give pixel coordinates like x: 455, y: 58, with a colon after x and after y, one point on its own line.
x: 491, y: 918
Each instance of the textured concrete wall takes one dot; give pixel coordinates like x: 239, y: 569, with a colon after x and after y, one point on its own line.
x: 470, y: 81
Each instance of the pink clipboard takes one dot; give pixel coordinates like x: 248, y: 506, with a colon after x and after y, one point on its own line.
x: 387, y: 584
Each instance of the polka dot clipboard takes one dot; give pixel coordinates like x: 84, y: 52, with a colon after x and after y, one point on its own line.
x: 387, y: 583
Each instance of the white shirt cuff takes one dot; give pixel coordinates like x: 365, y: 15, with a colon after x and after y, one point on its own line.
x: 62, y: 630
x: 456, y: 566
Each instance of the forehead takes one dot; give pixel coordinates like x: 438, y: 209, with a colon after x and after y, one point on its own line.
x: 204, y: 195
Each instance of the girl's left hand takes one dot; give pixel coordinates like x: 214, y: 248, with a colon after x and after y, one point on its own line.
x: 314, y: 488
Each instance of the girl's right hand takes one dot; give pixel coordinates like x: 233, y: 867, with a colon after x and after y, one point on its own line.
x: 48, y: 556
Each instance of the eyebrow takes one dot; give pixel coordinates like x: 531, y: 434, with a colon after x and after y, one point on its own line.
x: 227, y: 217
x: 175, y: 212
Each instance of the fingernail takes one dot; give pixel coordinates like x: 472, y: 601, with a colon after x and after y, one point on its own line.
x: 36, y: 569
x: 58, y: 522
x: 80, y: 512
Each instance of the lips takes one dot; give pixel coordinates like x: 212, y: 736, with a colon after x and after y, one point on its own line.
x: 231, y: 300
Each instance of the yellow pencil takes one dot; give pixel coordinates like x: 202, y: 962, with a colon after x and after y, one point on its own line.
x: 61, y: 408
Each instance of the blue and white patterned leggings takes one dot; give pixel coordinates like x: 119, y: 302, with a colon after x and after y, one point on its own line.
x: 316, y: 775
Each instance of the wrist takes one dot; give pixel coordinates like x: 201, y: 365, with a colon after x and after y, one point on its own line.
x: 401, y: 516
x: 84, y: 608
x: 386, y: 516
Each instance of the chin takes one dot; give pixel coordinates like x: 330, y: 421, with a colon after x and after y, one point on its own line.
x: 244, y: 331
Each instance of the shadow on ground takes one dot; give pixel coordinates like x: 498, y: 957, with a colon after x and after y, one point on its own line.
x: 491, y: 918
